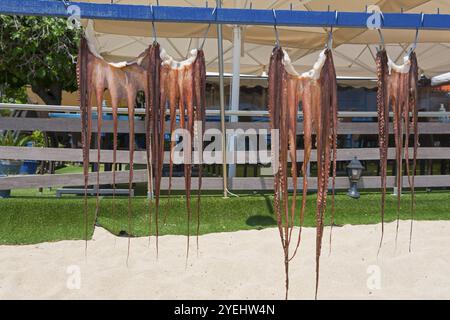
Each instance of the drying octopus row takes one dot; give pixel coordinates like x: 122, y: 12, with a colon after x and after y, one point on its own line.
x: 170, y: 86
x: 167, y: 85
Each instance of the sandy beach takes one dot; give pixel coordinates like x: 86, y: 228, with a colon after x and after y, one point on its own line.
x: 237, y: 265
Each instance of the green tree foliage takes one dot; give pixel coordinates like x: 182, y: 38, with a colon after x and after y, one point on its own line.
x: 37, y: 51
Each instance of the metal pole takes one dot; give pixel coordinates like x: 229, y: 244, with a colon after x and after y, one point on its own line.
x: 235, y: 86
x: 222, y: 105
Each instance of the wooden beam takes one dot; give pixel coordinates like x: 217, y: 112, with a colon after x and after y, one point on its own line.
x: 106, y: 156
x: 259, y: 183
x: 200, y: 14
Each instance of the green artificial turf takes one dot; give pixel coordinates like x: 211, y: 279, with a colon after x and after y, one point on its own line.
x: 31, y: 217
x: 32, y: 220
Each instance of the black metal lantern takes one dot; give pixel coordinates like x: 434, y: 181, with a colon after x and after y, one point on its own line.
x: 354, y: 170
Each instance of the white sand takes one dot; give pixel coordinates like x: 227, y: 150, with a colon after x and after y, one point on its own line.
x: 237, y: 265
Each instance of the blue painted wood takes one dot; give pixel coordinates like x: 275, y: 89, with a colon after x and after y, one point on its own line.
x: 225, y: 15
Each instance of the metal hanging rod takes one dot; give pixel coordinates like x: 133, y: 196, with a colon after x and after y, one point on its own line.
x: 128, y: 12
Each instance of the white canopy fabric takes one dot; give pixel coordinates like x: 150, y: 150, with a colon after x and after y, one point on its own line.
x: 354, y: 53
x: 441, y: 79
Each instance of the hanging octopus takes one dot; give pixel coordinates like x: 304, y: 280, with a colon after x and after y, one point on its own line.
x: 183, y: 87
x: 397, y: 86
x: 163, y: 80
x: 123, y: 82
x: 317, y: 89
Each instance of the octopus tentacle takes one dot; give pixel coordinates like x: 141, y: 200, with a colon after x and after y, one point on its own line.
x: 284, y: 146
x: 83, y: 77
x: 149, y: 158
x: 383, y: 126
x: 153, y: 128
x: 165, y: 95
x: 395, y: 107
x: 307, y: 143
x: 275, y: 67
x: 200, y: 117
x: 115, y: 142
x: 398, y: 95
x: 292, y: 94
x: 412, y: 102
x: 131, y: 100
x: 189, y: 98
x: 173, y: 93
x: 161, y: 127
x: 99, y: 97
x: 325, y: 134
x: 333, y: 137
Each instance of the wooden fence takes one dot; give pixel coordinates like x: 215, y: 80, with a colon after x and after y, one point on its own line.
x: 74, y: 125
x: 249, y: 183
